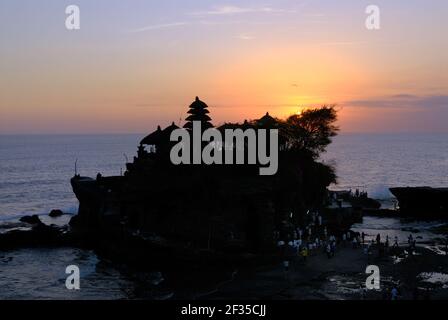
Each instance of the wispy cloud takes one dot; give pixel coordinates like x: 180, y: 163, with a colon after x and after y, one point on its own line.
x: 225, y: 10
x: 232, y: 10
x: 342, y: 43
x: 245, y: 36
x: 402, y: 101
x: 158, y: 27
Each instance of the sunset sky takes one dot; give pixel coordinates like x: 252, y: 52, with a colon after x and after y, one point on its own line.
x: 135, y: 64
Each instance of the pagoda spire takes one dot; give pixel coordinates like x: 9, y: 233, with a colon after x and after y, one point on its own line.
x: 198, y: 112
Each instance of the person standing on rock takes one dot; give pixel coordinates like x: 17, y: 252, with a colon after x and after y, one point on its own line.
x: 410, y: 239
x: 286, y: 268
x: 304, y: 253
x: 396, y: 242
x: 333, y: 247
x: 281, y: 247
x: 355, y: 243
x: 394, y: 293
x: 328, y: 251
x: 317, y: 243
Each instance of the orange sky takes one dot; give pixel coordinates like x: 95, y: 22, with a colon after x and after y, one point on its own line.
x: 242, y: 60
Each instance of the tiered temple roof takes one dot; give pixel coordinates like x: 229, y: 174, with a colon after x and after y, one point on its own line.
x: 198, y: 112
x: 153, y: 138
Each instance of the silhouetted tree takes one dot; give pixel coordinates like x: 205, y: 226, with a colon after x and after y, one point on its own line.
x: 311, y: 131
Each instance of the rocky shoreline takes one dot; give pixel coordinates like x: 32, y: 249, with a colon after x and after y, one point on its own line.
x: 239, y: 276
x: 343, y: 277
x: 122, y: 246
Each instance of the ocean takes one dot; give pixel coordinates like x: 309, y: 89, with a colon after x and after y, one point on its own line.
x: 35, y: 170
x: 377, y: 162
x: 35, y: 178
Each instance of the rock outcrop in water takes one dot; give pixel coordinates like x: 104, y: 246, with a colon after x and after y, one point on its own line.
x: 422, y: 202
x: 31, y: 219
x: 40, y: 235
x: 56, y: 213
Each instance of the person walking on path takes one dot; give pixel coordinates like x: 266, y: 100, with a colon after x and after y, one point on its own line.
x: 362, y: 292
x: 304, y: 253
x: 286, y: 269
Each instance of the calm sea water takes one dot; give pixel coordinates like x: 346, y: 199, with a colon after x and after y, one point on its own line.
x: 35, y: 170
x: 375, y: 163
x: 35, y: 173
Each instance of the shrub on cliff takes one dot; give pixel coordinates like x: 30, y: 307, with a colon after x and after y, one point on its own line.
x: 310, y: 132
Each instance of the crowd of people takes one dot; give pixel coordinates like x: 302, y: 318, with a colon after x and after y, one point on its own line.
x: 301, y: 242
x: 313, y: 238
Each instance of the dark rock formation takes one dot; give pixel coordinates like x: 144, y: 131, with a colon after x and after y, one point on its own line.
x: 422, y: 202
x: 39, y: 235
x: 381, y: 212
x: 357, y: 199
x: 56, y: 213
x: 34, y: 219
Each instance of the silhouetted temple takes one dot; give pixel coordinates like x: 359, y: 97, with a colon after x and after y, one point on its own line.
x: 216, y: 207
x: 156, y: 146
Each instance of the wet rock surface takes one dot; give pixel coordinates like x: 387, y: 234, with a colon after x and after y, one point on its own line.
x: 39, y: 235
x: 56, y: 213
x: 34, y: 219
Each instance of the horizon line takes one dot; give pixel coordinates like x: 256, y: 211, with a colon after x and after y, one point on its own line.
x: 145, y: 133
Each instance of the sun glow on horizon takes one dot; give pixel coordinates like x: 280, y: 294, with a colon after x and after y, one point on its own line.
x: 242, y: 63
